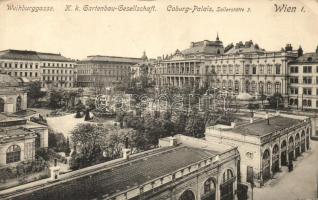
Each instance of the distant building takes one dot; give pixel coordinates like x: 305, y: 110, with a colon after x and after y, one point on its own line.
x: 143, y: 69
x: 104, y: 71
x: 183, y: 168
x: 265, y: 145
x: 241, y: 68
x: 303, y: 81
x: 53, y: 70
x: 13, y: 96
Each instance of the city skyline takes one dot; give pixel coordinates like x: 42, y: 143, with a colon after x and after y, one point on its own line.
x: 77, y: 35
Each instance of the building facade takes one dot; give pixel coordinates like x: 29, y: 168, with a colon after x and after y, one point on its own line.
x: 13, y: 97
x: 303, y: 82
x: 193, y: 169
x: 265, y: 145
x: 53, y: 70
x: 104, y: 71
x: 241, y: 68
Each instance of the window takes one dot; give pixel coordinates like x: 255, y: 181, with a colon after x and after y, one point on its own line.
x: 293, y: 90
x: 307, y: 69
x: 269, y: 88
x: 307, y: 80
x: 294, y: 69
x: 13, y: 154
x: 254, y: 69
x: 269, y: 69
x: 307, y: 91
x: 247, y: 69
x: 230, y: 69
x: 277, y: 69
x: 237, y: 70
x: 261, y: 69
x: 277, y: 87
x: 307, y: 102
x: 293, y: 79
x: 25, y: 74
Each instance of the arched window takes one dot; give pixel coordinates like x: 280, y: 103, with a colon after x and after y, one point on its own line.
x: 277, y: 87
x: 283, y: 144
x: 236, y: 86
x: 187, y: 195
x: 1, y: 105
x: 275, y: 149
x: 209, y: 186
x: 253, y: 86
x: 269, y: 88
x: 227, y: 175
x: 266, y: 155
x: 19, y: 103
x: 261, y: 87
x: 13, y: 154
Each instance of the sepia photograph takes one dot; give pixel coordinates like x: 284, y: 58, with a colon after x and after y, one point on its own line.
x: 158, y: 100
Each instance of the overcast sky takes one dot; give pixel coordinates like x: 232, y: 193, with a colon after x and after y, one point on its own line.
x: 79, y: 34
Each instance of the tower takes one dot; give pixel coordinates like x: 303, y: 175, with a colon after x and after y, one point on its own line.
x: 217, y: 36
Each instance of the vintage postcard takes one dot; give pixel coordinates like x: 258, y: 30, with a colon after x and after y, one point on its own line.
x: 158, y: 99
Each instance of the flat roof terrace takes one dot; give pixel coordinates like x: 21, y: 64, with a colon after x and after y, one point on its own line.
x: 261, y: 128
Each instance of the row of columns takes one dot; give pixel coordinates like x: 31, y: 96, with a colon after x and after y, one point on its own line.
x: 180, y: 68
x: 289, y: 152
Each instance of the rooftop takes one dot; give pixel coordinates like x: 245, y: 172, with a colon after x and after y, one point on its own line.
x: 261, y: 128
x: 10, y: 81
x: 100, y: 58
x: 12, y: 54
x: 12, y: 133
x: 248, y: 47
x: 307, y: 58
x: 204, y: 47
x: 142, y: 170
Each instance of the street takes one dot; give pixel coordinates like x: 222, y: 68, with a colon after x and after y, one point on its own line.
x: 301, y: 183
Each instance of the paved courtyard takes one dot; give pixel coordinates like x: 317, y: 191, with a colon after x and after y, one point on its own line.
x: 301, y: 183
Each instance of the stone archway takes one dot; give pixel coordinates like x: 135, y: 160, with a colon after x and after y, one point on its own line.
x: 209, y: 190
x: 297, y: 145
x: 307, y: 137
x: 187, y: 195
x: 266, y: 165
x: 291, y: 149
x: 303, y: 142
x: 1, y: 105
x: 275, y: 159
x: 283, y: 155
x: 226, y: 188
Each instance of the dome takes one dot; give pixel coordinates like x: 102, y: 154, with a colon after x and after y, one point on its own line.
x: 244, y: 97
x: 8, y: 81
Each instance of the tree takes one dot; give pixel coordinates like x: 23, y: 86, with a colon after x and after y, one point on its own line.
x: 276, y: 101
x: 56, y: 99
x: 34, y: 92
x: 89, y: 138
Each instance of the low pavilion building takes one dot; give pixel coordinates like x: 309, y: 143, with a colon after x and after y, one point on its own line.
x: 265, y: 145
x: 183, y: 168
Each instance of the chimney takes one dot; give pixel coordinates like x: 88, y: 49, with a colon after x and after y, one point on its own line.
x: 172, y: 141
x: 233, y: 124
x: 252, y: 118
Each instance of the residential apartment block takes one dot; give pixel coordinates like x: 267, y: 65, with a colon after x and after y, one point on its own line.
x: 53, y: 70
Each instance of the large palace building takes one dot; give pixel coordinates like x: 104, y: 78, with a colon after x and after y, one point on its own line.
x: 183, y: 168
x: 53, y: 70
x: 241, y: 68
